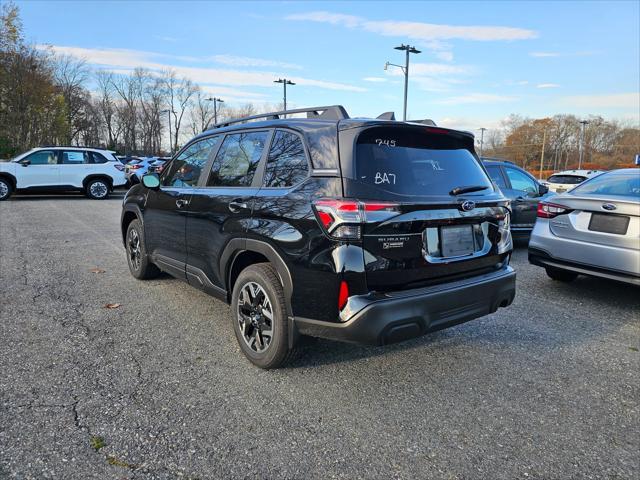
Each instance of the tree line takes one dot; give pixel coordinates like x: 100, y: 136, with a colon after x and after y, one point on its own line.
x: 554, y: 143
x: 50, y: 99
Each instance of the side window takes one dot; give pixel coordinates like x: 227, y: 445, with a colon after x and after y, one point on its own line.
x: 43, y: 157
x: 97, y: 158
x: 287, y: 162
x: 496, y: 176
x: 521, y: 181
x: 237, y: 160
x: 75, y: 157
x: 185, y: 169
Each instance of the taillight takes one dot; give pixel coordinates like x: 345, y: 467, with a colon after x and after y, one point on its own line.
x: 551, y: 210
x: 343, y: 295
x: 343, y: 219
x: 119, y: 166
x: 135, y: 167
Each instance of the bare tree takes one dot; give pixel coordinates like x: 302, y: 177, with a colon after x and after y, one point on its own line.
x: 179, y: 93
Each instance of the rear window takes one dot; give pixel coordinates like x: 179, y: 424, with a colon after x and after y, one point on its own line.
x: 412, y: 161
x: 567, y: 179
x: 617, y: 185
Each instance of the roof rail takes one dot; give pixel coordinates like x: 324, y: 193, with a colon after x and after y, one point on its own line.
x: 72, y: 146
x: 333, y: 112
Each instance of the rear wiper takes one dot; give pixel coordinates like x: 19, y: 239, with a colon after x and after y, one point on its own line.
x: 468, y: 189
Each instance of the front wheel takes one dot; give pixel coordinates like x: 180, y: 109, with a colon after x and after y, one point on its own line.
x: 97, y: 189
x: 260, y: 316
x: 5, y: 189
x: 561, y: 275
x: 137, y: 258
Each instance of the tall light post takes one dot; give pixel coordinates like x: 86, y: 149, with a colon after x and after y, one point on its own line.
x: 284, y: 83
x: 167, y: 111
x: 583, y: 122
x: 215, y: 101
x: 482, y: 141
x: 407, y: 49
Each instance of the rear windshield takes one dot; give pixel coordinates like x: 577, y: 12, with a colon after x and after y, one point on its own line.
x: 567, y: 179
x: 412, y: 161
x: 616, y: 184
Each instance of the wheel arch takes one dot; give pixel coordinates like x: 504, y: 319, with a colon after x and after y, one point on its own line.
x: 240, y: 253
x: 129, y: 214
x: 95, y: 176
x: 12, y: 180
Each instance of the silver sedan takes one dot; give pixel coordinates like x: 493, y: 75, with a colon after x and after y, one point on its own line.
x: 593, y: 229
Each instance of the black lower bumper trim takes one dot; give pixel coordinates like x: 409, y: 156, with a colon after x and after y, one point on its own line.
x: 541, y: 258
x: 416, y: 312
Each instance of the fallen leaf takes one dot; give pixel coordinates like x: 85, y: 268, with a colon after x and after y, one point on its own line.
x: 112, y: 305
x: 97, y: 270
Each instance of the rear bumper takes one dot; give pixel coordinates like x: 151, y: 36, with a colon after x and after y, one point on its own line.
x: 543, y: 259
x: 393, y: 317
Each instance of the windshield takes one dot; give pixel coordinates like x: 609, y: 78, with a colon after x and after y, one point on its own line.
x: 413, y: 161
x: 616, y: 184
x: 567, y: 179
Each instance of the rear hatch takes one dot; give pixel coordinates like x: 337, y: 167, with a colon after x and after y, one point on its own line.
x: 437, y: 218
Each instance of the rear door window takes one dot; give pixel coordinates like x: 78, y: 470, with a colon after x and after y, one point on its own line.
x: 412, y: 161
x: 75, y: 157
x: 237, y: 160
x: 287, y: 163
x: 496, y: 175
x: 521, y: 181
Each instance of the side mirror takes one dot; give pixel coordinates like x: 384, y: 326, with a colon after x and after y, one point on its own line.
x: 543, y: 189
x: 151, y: 180
x: 25, y: 163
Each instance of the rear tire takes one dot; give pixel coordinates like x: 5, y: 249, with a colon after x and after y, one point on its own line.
x: 97, y: 189
x: 6, y: 189
x: 260, y: 316
x: 139, y: 264
x: 561, y: 275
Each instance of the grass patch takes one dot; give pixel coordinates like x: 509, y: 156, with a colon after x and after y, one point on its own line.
x: 633, y: 349
x: 96, y: 442
x: 111, y: 460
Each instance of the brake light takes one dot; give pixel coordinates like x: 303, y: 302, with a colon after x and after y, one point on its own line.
x: 551, y: 210
x: 343, y: 219
x: 119, y: 166
x: 343, y: 295
x: 135, y: 167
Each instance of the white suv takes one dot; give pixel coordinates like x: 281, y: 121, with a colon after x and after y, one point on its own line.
x: 93, y: 171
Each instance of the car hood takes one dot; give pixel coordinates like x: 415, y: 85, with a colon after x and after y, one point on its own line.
x: 8, y: 166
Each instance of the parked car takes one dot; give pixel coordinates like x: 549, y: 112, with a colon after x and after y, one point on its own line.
x: 158, y: 165
x: 564, y: 181
x: 137, y: 168
x: 95, y: 172
x: 522, y: 189
x: 361, y: 230
x: 592, y: 230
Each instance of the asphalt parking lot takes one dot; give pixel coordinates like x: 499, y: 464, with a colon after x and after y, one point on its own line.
x: 157, y: 388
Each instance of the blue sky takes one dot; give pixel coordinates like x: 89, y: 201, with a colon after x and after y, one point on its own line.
x: 480, y: 61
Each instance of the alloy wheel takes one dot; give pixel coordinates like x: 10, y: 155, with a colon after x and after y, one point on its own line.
x: 255, y: 317
x: 4, y: 189
x: 98, y: 189
x: 135, y: 252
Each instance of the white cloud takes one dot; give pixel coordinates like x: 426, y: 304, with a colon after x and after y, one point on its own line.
x: 544, y: 54
x: 613, y: 100
x: 252, y: 62
x: 474, y: 98
x: 375, y: 79
x: 418, y: 30
x: 547, y: 85
x: 124, y: 59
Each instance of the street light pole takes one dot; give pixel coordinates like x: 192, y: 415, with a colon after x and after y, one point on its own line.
x: 408, y: 49
x: 284, y: 83
x: 482, y: 141
x: 215, y: 101
x: 583, y: 122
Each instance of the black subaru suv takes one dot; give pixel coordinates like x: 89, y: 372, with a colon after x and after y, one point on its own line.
x: 362, y: 230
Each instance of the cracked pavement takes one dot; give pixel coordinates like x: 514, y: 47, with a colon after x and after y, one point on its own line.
x: 547, y: 388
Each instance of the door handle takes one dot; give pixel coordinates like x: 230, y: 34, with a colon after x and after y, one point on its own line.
x: 181, y: 202
x: 236, y: 205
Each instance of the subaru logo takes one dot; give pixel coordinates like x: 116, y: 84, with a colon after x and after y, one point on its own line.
x: 609, y: 206
x: 468, y: 205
